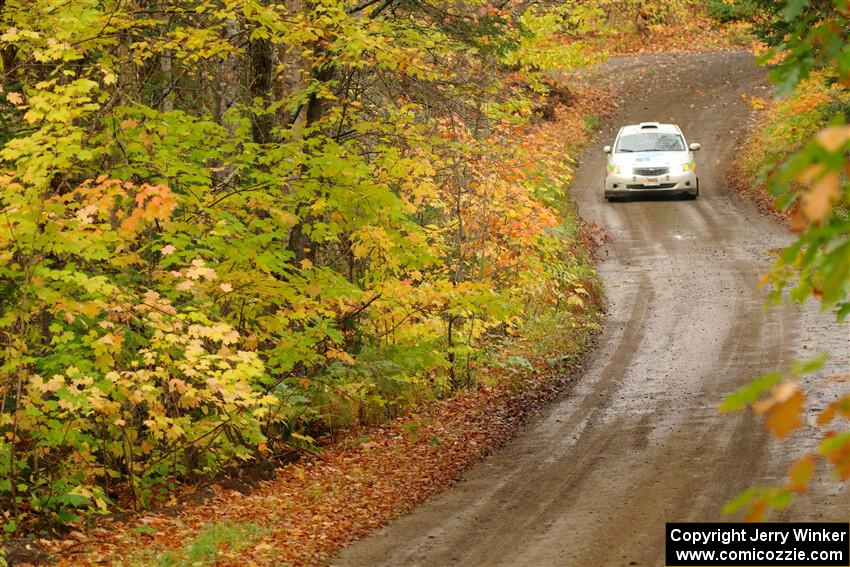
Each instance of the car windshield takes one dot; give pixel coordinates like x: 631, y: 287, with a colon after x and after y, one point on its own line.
x: 651, y: 142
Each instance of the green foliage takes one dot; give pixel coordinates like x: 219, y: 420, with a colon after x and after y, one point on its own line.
x: 749, y: 393
x: 746, y: 395
x: 732, y: 10
x: 209, y: 545
x: 774, y: 498
x: 230, y: 226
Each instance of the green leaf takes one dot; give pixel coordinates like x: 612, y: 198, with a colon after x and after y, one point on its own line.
x: 746, y: 395
x: 801, y: 367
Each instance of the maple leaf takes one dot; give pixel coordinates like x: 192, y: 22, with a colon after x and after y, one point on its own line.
x: 167, y: 249
x: 84, y: 214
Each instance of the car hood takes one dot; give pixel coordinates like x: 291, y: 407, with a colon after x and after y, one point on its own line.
x: 649, y: 159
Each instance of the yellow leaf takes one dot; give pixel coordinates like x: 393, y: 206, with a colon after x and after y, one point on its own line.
x: 340, y: 355
x: 756, y: 103
x: 56, y: 382
x: 15, y: 98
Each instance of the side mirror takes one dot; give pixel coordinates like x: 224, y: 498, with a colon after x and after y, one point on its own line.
x: 695, y: 147
x: 607, y: 149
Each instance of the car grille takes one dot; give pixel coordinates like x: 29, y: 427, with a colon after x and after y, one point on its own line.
x: 651, y: 171
x: 659, y: 186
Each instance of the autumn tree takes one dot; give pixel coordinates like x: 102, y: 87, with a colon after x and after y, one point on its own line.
x: 227, y: 225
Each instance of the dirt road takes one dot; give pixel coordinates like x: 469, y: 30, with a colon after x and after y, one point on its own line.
x: 638, y: 441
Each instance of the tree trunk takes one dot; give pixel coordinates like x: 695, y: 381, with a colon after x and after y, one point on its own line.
x: 229, y: 79
x: 299, y: 241
x: 260, y: 53
x: 292, y: 71
x: 165, y: 65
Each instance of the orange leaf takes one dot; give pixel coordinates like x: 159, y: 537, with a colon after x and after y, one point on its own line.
x: 783, y: 408
x: 798, y: 219
x: 844, y: 406
x: 756, y: 512
x: 833, y: 138
x: 840, y: 406
x: 840, y: 457
x: 823, y: 189
x: 827, y: 414
x: 801, y: 472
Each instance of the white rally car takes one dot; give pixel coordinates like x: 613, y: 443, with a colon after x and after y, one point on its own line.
x: 651, y: 158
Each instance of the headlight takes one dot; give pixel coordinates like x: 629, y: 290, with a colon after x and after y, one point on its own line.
x: 689, y: 166
x: 613, y: 169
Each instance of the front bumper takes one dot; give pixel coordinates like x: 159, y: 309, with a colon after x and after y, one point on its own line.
x: 619, y: 185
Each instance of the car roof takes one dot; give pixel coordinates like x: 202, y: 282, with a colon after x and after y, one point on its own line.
x: 650, y: 127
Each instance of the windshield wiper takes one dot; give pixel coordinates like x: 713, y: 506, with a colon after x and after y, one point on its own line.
x: 624, y: 150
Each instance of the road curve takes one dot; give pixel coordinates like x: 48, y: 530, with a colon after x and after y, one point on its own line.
x: 638, y: 440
